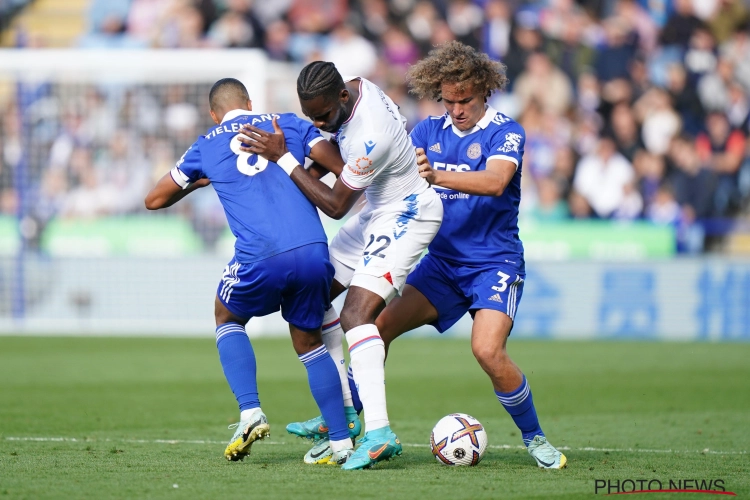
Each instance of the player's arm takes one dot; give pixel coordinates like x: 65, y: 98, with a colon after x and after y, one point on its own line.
x: 334, y: 202
x: 491, y: 181
x: 166, y: 192
x: 183, y: 179
x: 326, y: 157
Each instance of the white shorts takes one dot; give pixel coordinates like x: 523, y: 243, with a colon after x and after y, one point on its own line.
x: 377, y: 248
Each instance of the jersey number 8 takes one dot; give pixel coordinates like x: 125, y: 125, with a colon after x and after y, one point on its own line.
x: 243, y: 158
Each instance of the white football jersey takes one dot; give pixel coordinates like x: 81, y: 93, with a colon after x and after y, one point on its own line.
x: 378, y: 153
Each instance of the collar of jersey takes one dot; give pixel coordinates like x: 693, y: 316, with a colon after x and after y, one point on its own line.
x: 231, y: 115
x: 489, y: 114
x: 359, y: 98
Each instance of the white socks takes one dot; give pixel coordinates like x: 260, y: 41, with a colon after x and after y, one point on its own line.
x: 247, y: 415
x: 332, y: 334
x: 367, y: 357
x: 342, y: 444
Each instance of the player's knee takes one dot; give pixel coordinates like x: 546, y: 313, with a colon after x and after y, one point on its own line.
x: 306, y: 342
x: 489, y: 355
x: 362, y: 310
x: 351, y: 318
x: 221, y: 313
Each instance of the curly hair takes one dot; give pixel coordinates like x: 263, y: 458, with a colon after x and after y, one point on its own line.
x: 454, y: 62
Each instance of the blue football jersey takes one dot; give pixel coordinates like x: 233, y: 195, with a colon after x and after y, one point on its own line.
x: 266, y: 211
x: 476, y: 230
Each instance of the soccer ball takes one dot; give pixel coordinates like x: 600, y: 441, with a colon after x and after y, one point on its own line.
x: 458, y: 439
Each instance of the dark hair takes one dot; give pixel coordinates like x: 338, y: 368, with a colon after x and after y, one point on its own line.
x: 227, y: 90
x: 319, y: 78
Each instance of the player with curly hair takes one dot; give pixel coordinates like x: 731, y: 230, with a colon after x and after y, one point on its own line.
x: 472, y: 155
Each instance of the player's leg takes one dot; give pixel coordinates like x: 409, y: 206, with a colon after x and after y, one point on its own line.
x: 367, y: 358
x: 325, y: 387
x: 494, y: 309
x: 345, y: 250
x: 316, y: 428
x: 238, y: 362
x: 432, y: 296
x: 489, y: 337
x: 396, y: 236
x: 404, y: 313
x: 303, y: 305
x: 366, y: 351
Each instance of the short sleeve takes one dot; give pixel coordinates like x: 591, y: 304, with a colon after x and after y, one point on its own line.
x: 189, y: 168
x: 507, y: 144
x: 419, y: 134
x: 364, y: 159
x: 310, y: 135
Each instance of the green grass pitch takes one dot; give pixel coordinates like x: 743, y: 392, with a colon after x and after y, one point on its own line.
x: 146, y: 418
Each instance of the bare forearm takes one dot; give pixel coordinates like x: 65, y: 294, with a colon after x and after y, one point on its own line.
x: 180, y: 195
x: 163, y: 198
x: 319, y: 193
x: 317, y: 171
x: 481, y: 183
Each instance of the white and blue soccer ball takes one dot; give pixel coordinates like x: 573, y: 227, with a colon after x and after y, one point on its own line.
x: 458, y: 439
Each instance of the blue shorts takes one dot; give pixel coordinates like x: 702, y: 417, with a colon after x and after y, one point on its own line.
x: 297, y: 281
x: 455, y: 289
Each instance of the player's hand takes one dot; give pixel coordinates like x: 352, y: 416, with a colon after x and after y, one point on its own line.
x: 425, y: 169
x: 269, y: 146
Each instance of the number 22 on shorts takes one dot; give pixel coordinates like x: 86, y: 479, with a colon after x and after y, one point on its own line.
x: 383, y: 241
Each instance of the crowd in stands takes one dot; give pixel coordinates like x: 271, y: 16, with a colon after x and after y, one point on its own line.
x: 8, y: 8
x: 633, y: 109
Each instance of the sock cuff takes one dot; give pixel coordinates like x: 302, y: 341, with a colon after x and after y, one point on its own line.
x: 330, y: 319
x: 362, y: 337
x: 229, y: 329
x: 310, y: 357
x: 341, y: 444
x: 516, y: 397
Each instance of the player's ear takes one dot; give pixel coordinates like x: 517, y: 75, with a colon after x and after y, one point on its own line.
x: 344, y: 95
x: 214, y: 117
x: 249, y: 105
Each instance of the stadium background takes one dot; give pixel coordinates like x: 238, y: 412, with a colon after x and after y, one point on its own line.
x: 99, y: 98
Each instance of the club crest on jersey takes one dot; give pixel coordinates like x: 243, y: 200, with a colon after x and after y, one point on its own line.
x: 474, y: 151
x: 435, y: 148
x: 512, y: 143
x: 369, y: 145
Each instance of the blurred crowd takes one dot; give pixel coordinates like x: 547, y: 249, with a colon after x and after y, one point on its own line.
x: 633, y: 109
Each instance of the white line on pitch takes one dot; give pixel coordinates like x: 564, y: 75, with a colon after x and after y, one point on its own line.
x: 411, y: 445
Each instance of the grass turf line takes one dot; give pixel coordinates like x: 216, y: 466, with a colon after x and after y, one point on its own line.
x: 682, y: 397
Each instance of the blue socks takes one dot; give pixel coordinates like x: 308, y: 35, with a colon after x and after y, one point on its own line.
x: 238, y: 361
x: 520, y: 405
x: 325, y: 386
x: 355, y: 393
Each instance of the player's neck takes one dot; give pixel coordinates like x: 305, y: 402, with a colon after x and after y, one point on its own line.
x: 353, y: 88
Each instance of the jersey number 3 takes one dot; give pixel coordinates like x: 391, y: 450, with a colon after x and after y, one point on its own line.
x: 243, y: 159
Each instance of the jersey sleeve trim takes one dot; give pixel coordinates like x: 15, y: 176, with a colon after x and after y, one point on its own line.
x: 504, y: 157
x: 342, y: 177
x: 179, y: 177
x: 315, y: 141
